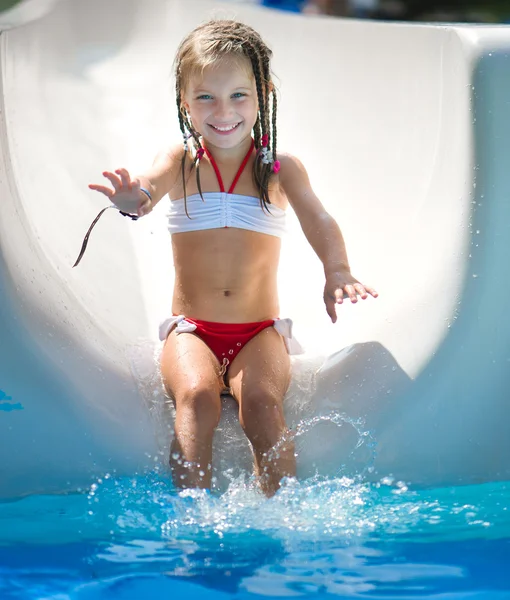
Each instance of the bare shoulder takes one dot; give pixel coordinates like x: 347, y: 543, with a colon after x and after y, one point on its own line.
x: 165, y: 169
x: 293, y: 178
x: 290, y: 165
x: 169, y: 156
x: 295, y: 184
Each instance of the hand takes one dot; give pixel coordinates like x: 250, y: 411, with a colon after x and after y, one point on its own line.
x: 341, y: 284
x: 126, y: 194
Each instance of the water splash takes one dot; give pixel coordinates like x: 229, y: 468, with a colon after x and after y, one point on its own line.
x: 318, y: 510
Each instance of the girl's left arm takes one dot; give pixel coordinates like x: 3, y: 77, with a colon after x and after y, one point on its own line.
x: 323, y: 234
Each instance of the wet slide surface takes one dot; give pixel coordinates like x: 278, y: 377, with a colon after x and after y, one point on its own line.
x: 404, y: 130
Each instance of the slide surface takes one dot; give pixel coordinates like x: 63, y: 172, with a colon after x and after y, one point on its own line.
x: 405, y: 132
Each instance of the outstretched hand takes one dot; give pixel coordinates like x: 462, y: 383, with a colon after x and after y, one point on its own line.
x: 341, y: 284
x: 126, y: 194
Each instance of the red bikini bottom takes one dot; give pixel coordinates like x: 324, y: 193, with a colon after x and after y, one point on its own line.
x: 226, y: 340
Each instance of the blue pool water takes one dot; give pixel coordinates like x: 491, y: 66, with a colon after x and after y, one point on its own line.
x: 333, y: 538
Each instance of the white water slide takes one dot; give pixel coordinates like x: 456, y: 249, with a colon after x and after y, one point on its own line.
x: 405, y: 131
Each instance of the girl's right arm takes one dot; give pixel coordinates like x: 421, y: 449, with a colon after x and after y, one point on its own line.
x: 127, y: 193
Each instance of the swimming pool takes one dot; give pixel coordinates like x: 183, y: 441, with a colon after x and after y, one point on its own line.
x: 132, y: 538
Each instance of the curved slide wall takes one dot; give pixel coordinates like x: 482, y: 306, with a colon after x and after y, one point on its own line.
x: 404, y: 130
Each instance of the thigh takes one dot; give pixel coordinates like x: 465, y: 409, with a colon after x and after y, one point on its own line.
x: 261, y: 368
x: 188, y: 364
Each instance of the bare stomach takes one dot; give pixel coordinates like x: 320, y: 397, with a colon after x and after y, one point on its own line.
x: 226, y: 275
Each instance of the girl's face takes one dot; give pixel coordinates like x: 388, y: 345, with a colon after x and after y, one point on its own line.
x: 222, y: 102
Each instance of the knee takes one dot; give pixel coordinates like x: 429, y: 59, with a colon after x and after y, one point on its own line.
x: 199, y: 404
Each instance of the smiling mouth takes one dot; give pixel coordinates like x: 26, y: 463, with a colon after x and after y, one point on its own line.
x: 225, y: 128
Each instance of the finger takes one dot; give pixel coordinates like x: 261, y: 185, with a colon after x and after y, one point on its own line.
x: 371, y: 291
x: 330, y: 307
x: 101, y: 188
x: 360, y: 289
x: 351, y: 293
x: 339, y: 295
x: 115, y: 181
x: 124, y: 177
x: 135, y: 185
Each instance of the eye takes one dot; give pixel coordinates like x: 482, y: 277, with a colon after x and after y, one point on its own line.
x: 204, y: 97
x: 239, y: 95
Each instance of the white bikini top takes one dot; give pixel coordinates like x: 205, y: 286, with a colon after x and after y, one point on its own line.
x: 221, y: 209
x: 226, y: 209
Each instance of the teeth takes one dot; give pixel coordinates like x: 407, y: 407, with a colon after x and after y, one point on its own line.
x: 226, y: 128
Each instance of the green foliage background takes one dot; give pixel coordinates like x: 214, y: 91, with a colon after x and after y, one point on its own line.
x: 5, y: 4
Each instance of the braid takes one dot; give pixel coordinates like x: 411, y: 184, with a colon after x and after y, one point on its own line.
x: 257, y: 133
x: 275, y: 156
x: 182, y: 127
x: 187, y: 129
x: 261, y: 171
x: 268, y: 170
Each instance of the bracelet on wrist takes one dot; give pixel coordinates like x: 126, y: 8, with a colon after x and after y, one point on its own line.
x: 146, y: 192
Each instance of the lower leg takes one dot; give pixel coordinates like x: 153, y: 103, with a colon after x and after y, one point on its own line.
x: 275, y: 463
x: 191, y: 451
x: 273, y: 446
x: 191, y: 459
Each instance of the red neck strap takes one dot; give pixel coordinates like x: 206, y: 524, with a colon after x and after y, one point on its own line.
x: 239, y: 172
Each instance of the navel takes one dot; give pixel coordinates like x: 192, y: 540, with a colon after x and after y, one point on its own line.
x: 226, y: 292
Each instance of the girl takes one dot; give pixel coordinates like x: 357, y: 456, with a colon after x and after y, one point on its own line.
x: 229, y: 190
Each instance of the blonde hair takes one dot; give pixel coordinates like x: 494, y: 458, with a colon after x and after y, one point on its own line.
x: 219, y: 40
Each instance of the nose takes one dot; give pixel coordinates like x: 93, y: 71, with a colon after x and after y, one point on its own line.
x: 223, y: 110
